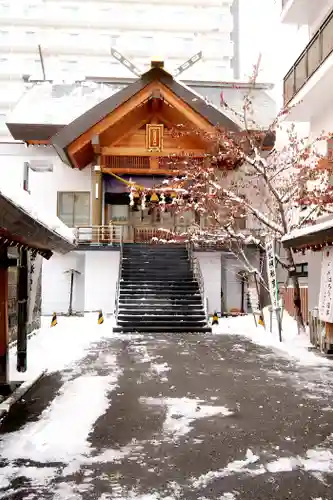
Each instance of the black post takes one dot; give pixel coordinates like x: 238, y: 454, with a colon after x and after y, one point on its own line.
x: 70, y: 308
x: 22, y: 310
x: 243, y: 293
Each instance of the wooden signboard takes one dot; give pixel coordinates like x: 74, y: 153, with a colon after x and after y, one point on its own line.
x: 154, y: 137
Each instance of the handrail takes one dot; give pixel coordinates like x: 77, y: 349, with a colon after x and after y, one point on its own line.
x: 197, y: 273
x: 116, y: 305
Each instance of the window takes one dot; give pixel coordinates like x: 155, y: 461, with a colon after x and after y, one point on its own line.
x: 74, y: 208
x: 301, y: 270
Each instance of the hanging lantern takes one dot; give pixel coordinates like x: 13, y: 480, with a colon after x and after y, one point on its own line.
x: 154, y: 198
x: 173, y: 195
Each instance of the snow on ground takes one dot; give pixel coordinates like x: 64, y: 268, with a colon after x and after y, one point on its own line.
x: 60, y: 435
x: 52, y: 349
x: 293, y: 344
x: 181, y: 412
x: 314, y: 461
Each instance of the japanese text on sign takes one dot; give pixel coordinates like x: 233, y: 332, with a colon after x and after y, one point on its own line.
x: 326, y: 288
x: 271, y: 272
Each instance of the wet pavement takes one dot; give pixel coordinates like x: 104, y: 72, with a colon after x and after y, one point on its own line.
x: 202, y: 418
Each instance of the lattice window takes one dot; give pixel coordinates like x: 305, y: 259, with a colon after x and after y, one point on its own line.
x: 127, y: 162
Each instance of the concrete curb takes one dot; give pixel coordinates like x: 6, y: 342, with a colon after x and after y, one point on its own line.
x: 18, y: 394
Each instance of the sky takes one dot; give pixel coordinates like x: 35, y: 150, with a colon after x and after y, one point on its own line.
x: 262, y: 32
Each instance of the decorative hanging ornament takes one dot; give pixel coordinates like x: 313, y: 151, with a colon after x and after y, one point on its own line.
x: 143, y: 201
x: 162, y: 202
x: 154, y: 198
x: 131, y: 197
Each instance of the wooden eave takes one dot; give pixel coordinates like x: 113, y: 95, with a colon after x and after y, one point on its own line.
x: 314, y: 240
x: 78, y: 134
x: 18, y: 227
x: 33, y: 133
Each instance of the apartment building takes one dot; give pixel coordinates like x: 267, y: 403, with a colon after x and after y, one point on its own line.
x: 76, y: 37
x: 308, y: 83
x: 308, y: 91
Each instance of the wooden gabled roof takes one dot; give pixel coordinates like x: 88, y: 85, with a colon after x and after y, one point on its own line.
x: 200, y: 106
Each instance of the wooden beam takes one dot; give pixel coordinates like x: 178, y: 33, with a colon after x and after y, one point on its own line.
x: 97, y: 195
x: 153, y: 161
x: 112, y: 118
x: 22, y: 310
x: 188, y: 113
x: 114, y: 151
x: 3, y: 321
x: 121, y: 128
x: 131, y: 130
x: 139, y: 171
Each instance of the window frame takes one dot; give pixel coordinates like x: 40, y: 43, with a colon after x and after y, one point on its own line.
x: 301, y: 270
x: 73, y: 193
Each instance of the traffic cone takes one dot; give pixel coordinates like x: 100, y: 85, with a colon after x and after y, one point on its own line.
x: 261, y: 320
x: 100, y: 318
x: 54, y: 321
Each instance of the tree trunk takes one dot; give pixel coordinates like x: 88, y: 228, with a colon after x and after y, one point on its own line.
x: 297, y: 292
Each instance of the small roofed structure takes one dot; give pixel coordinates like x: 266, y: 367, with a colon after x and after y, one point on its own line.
x: 27, y: 227
x: 314, y: 237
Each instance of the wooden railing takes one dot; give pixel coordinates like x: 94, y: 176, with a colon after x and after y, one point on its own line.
x: 99, y: 235
x: 315, y: 53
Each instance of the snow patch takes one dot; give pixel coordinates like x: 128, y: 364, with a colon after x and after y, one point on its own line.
x: 237, y: 466
x: 293, y: 344
x: 46, y: 348
x: 60, y: 435
x: 182, y: 412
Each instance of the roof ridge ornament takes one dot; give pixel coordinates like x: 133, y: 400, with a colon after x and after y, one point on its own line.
x: 155, y: 63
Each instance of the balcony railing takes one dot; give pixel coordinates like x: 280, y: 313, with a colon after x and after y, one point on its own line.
x: 116, y: 234
x: 315, y: 53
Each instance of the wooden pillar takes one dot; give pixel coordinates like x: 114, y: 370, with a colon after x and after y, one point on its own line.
x: 97, y: 196
x: 22, y: 310
x: 3, y: 322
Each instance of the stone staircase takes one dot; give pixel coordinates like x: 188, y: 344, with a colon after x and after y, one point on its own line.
x: 158, y: 292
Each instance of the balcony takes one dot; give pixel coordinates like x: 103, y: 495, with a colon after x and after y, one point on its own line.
x: 112, y: 235
x: 301, y: 12
x: 308, y: 84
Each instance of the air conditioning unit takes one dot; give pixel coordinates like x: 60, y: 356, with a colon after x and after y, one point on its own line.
x: 41, y: 165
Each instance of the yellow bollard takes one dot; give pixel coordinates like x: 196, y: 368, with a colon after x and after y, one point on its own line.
x: 100, y: 318
x: 54, y: 321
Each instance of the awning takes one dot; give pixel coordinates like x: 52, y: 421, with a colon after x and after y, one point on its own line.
x: 310, y: 236
x: 18, y: 227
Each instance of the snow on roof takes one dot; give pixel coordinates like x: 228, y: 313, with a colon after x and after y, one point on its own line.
x: 59, y: 103
x: 40, y: 213
x: 309, y: 230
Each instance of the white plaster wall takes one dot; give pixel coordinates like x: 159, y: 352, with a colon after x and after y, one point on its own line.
x: 210, y: 264
x: 101, y: 275
x: 320, y: 17
x: 314, y: 268
x: 323, y: 122
x: 56, y: 283
x: 232, y: 284
x: 94, y: 287
x: 44, y: 186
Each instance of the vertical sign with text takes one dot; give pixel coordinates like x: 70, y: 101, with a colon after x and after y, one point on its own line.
x: 271, y: 273
x: 325, y: 306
